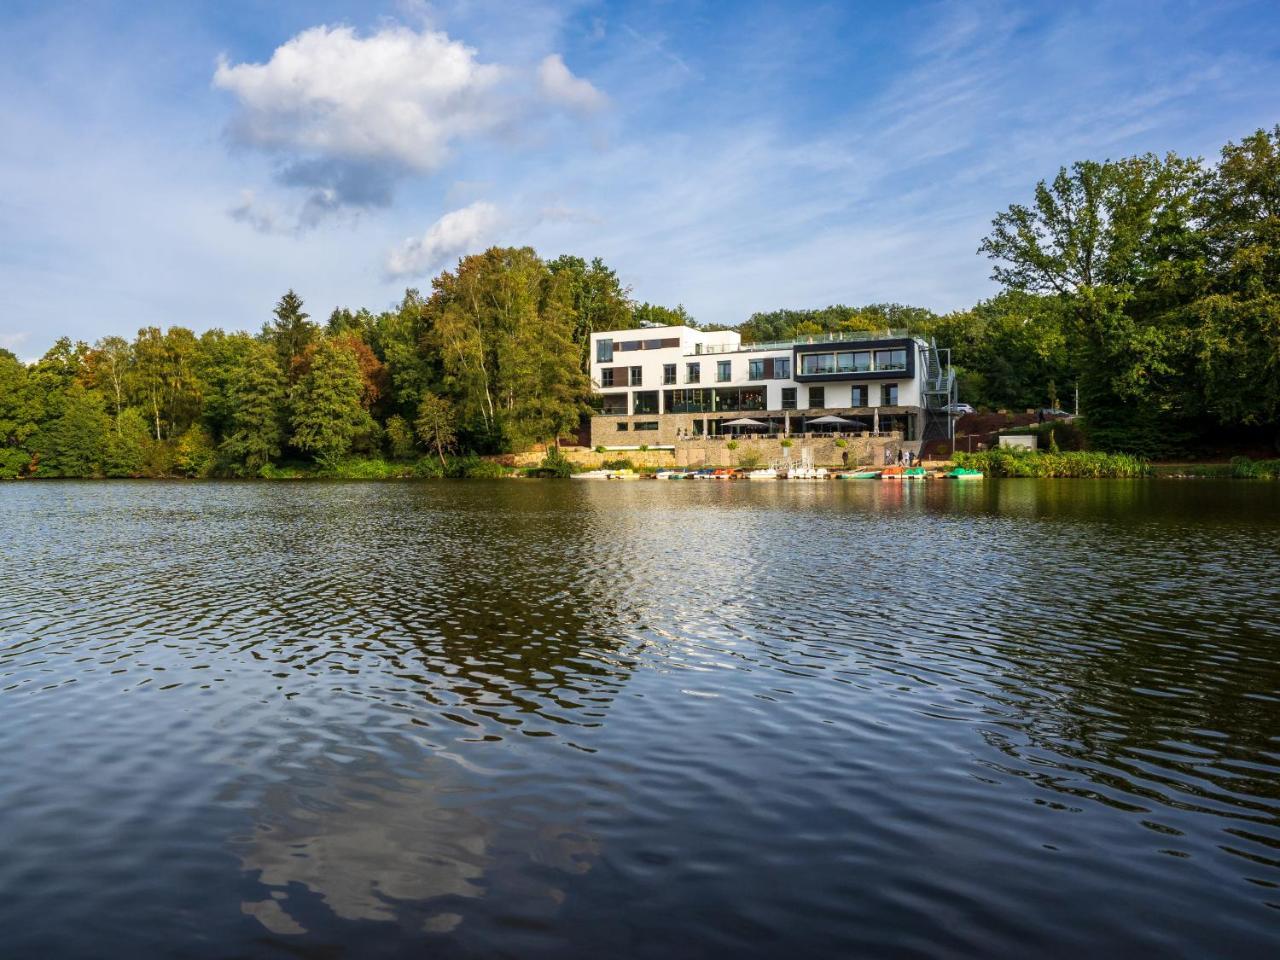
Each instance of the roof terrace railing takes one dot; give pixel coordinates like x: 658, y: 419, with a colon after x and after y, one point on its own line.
x: 839, y: 336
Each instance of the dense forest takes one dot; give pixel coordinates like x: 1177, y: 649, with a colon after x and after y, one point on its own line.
x: 1149, y: 285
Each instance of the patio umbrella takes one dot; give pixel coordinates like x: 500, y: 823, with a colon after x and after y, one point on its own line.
x: 746, y: 423
x: 832, y: 420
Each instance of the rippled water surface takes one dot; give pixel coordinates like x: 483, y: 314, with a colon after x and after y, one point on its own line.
x: 568, y: 719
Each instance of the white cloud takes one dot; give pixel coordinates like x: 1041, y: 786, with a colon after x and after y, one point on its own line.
x: 454, y: 234
x: 397, y: 96
x: 348, y: 117
x: 559, y: 85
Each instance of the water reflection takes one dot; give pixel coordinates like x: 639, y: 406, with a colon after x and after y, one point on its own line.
x: 549, y: 719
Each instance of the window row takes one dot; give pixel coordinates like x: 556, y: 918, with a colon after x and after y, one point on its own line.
x: 709, y: 400
x: 605, y: 348
x: 853, y: 361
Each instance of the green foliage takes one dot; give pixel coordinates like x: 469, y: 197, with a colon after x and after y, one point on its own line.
x: 785, y: 442
x: 1023, y: 463
x: 290, y: 333
x: 75, y: 443
x: 622, y: 463
x: 1067, y: 434
x: 841, y: 443
x: 600, y: 448
x: 596, y: 300
x: 555, y: 464
x: 750, y: 460
x: 270, y: 471
x: 13, y: 462
x: 195, y: 454
x: 731, y: 445
x: 128, y: 449
x: 435, y: 424
x: 652, y: 315
x: 1242, y: 468
x: 364, y: 468
x: 789, y: 324
x: 1166, y: 275
x: 255, y: 428
x: 325, y: 403
x: 399, y: 437
x: 472, y: 467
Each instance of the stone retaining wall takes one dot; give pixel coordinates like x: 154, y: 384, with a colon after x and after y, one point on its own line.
x: 704, y: 452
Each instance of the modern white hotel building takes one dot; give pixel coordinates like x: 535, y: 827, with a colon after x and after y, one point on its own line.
x: 658, y: 385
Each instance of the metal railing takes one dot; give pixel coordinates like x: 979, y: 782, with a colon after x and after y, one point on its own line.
x: 839, y: 336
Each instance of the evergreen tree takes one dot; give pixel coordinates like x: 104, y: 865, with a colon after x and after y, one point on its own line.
x: 290, y: 332
x: 326, y: 409
x: 255, y: 431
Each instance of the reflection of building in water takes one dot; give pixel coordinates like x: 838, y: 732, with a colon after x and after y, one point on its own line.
x: 371, y: 844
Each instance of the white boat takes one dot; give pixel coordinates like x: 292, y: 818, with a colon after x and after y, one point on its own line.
x: 767, y: 473
x: 605, y: 475
x: 807, y: 473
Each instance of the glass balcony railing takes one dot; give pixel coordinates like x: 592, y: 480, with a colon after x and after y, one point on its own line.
x: 840, y: 336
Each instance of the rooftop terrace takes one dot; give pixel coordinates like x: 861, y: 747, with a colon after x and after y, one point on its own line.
x: 843, y: 336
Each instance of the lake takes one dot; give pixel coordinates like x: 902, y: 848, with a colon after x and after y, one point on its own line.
x: 573, y: 719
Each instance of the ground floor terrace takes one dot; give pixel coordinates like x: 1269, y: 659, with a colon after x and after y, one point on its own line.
x: 667, y: 429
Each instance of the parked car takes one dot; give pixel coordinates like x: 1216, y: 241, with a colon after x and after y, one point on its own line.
x: 960, y: 409
x: 1047, y: 412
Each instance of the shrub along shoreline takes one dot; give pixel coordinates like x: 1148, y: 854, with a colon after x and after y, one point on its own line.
x: 994, y: 463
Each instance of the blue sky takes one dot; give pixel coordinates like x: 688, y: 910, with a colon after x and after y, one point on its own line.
x: 186, y: 163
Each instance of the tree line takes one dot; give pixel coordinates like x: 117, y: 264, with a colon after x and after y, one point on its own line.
x: 1149, y: 284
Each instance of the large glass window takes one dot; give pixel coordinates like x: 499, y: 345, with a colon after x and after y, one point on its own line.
x: 693, y: 373
x: 755, y: 369
x: 788, y: 398
x: 724, y: 371
x: 604, y: 351
x: 688, y: 401
x: 606, y: 377
x: 645, y: 401
x: 615, y: 405
x: 889, y: 394
x: 812, y: 364
x: 817, y: 397
x: 891, y: 359
x: 859, y: 397
x: 645, y: 425
x: 622, y: 426
x: 844, y: 363
x: 862, y: 361
x: 782, y: 368
x: 740, y: 398
x: 637, y: 376
x: 668, y: 373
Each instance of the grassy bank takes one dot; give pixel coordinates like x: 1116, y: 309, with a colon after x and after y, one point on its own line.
x: 1240, y: 468
x: 1075, y: 463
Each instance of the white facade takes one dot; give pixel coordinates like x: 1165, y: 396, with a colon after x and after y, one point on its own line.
x: 853, y: 372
